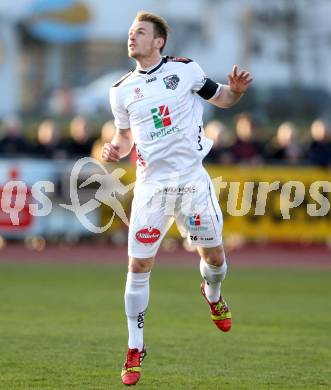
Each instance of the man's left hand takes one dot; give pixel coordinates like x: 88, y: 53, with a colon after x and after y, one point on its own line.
x: 239, y: 81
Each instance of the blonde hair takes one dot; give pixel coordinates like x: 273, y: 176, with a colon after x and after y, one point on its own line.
x: 161, y: 28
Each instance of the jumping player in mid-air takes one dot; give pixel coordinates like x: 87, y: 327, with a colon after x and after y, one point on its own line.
x: 157, y: 107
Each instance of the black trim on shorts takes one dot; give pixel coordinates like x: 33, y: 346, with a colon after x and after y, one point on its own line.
x: 211, y: 198
x: 208, y: 90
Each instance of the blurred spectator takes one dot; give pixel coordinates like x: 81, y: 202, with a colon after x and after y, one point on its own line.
x: 246, y: 148
x: 48, y: 144
x: 60, y: 102
x: 319, y: 149
x: 285, y: 147
x: 107, y: 134
x: 221, y: 151
x: 80, y: 143
x: 12, y: 142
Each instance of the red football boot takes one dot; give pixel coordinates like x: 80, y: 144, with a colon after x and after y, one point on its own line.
x: 131, y: 371
x: 219, y: 312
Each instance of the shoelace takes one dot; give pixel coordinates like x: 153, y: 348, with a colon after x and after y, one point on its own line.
x: 133, y: 358
x: 220, y: 307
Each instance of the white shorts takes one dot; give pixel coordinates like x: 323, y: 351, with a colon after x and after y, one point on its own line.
x: 190, y: 201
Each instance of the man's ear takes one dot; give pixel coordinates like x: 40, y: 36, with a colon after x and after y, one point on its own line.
x: 159, y: 42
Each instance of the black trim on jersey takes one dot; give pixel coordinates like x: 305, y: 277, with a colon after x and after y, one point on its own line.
x: 120, y: 81
x: 184, y: 60
x: 208, y: 90
x: 154, y: 69
x: 163, y: 61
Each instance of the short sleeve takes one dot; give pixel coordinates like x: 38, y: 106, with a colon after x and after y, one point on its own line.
x: 121, y: 116
x: 201, y: 84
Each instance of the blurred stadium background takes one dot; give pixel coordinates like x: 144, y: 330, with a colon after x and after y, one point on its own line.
x: 58, y: 59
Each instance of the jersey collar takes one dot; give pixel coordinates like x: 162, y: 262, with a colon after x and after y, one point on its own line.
x: 154, y: 69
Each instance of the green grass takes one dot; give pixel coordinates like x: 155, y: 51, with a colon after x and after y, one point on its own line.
x: 62, y: 327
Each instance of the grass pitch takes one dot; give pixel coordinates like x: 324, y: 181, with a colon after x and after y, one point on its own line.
x: 63, y: 327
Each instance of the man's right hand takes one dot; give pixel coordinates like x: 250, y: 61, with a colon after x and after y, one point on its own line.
x: 110, y: 153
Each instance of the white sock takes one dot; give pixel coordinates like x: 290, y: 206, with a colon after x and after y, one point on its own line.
x: 213, y: 276
x: 136, y: 301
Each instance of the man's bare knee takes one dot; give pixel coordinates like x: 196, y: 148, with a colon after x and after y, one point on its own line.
x: 138, y: 266
x: 213, y: 256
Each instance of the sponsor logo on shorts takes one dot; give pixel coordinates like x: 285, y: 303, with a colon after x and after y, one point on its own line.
x: 181, y: 190
x: 148, y: 235
x: 195, y: 220
x: 177, y: 190
x: 198, y: 228
x: 195, y: 223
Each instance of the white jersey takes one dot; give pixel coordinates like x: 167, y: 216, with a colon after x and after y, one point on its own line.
x: 164, y: 112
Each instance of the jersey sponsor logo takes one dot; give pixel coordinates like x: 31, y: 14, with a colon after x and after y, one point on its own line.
x: 151, y: 80
x: 162, y: 121
x: 164, y: 132
x: 148, y: 235
x: 195, y: 220
x: 161, y: 117
x: 138, y: 95
x: 171, y: 82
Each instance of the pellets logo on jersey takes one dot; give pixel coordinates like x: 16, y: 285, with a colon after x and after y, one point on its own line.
x: 148, y: 235
x: 161, y: 117
x: 195, y: 220
x: 171, y: 82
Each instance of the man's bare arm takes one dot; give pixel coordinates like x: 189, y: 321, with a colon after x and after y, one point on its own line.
x: 230, y: 94
x: 119, y: 147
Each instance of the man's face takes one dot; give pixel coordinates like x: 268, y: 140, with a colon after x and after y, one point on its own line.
x: 141, y: 40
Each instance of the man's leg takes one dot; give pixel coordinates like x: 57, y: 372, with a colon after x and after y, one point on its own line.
x: 213, y: 269
x: 148, y: 226
x: 136, y: 298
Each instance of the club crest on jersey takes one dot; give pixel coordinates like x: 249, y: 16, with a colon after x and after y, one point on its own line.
x: 171, y: 82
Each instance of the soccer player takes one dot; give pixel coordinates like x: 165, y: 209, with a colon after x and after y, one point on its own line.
x: 157, y: 107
